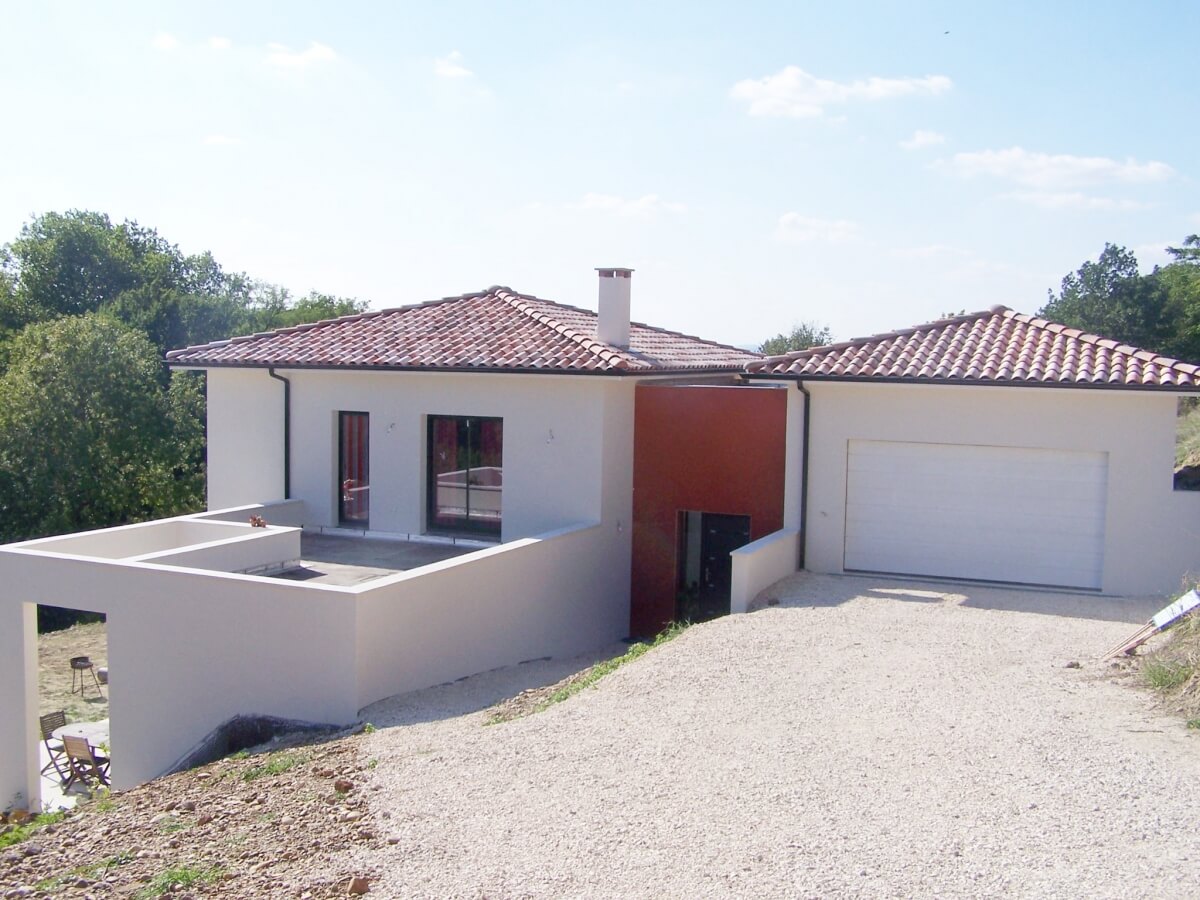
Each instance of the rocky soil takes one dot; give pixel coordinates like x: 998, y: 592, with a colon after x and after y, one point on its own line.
x: 272, y: 824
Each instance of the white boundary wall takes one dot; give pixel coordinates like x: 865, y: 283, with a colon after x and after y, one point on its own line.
x: 190, y: 648
x: 554, y: 595
x: 760, y: 564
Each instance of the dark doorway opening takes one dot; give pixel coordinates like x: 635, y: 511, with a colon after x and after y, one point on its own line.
x: 705, y: 570
x: 354, y: 469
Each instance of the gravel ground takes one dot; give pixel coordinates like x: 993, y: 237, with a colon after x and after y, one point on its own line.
x: 863, y: 738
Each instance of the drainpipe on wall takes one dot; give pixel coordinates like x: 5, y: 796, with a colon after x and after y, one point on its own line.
x: 804, y: 474
x: 287, y: 434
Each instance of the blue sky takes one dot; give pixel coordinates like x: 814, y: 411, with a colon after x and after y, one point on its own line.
x: 758, y: 164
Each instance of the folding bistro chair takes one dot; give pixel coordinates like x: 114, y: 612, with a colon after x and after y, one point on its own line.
x: 58, y: 753
x: 86, y: 764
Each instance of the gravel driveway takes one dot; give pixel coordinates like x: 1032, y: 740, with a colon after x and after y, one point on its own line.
x: 864, y: 738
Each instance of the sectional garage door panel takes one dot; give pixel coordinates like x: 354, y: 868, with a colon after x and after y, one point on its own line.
x: 964, y: 511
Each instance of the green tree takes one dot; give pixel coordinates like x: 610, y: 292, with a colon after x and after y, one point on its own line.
x: 1181, y: 280
x: 272, y: 307
x: 88, y: 435
x: 78, y: 261
x: 1110, y: 297
x: 801, y: 337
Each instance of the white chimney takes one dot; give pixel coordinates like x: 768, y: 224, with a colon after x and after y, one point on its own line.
x: 612, y: 326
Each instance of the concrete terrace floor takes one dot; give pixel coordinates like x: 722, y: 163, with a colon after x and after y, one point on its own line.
x: 351, y: 560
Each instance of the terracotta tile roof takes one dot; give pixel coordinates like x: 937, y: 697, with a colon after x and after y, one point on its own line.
x: 495, y: 329
x: 994, y: 346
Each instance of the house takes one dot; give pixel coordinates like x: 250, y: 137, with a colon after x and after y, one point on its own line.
x: 599, y: 478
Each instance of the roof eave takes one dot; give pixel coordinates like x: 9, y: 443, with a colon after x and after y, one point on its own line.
x: 732, y: 369
x: 964, y: 382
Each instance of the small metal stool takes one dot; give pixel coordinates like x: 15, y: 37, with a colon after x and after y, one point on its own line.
x: 82, y: 666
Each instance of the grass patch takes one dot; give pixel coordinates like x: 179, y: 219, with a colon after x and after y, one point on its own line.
x: 1173, y: 669
x: 183, y: 876
x: 276, y: 764
x: 90, y: 870
x: 1166, y: 675
x: 102, y: 801
x: 171, y: 824
x: 587, y: 678
x: 23, y: 832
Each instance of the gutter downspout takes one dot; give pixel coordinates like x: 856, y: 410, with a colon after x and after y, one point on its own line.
x: 287, y: 435
x: 804, y: 475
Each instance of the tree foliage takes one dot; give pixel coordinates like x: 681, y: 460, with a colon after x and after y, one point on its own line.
x: 1157, y: 311
x: 801, y: 337
x: 88, y: 437
x: 77, y: 262
x: 94, y: 429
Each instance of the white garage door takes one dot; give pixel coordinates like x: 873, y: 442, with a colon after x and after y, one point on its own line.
x: 989, y: 513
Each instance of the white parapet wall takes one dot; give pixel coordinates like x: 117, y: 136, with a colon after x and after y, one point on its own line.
x: 191, y: 648
x: 553, y: 595
x: 760, y: 564
x: 249, y: 549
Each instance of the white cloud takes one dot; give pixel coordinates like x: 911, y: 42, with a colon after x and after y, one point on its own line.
x: 794, y: 93
x: 1155, y: 254
x: 1073, y: 200
x: 221, y: 140
x: 794, y: 228
x: 164, y: 41
x: 646, y: 205
x: 450, y: 66
x: 286, y: 58
x: 921, y: 139
x: 929, y: 251
x: 1056, y: 171
x: 220, y: 43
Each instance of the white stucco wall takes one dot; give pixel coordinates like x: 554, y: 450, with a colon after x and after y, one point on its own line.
x: 760, y: 564
x: 245, y: 437
x: 19, y: 733
x: 554, y: 439
x: 794, y: 465
x: 555, y: 595
x: 1152, y: 531
x: 189, y: 649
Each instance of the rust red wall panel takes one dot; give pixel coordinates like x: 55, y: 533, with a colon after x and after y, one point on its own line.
x: 711, y: 449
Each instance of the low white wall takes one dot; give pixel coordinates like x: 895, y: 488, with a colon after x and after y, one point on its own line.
x: 126, y: 541
x: 197, y: 542
x: 251, y: 549
x: 760, y: 564
x: 554, y: 595
x: 289, y: 513
x: 1152, y: 532
x: 190, y: 649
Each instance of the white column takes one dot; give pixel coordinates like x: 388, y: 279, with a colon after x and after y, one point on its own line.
x: 20, y: 786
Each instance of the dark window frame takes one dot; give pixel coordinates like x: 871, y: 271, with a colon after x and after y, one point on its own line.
x: 343, y: 519
x: 466, y: 527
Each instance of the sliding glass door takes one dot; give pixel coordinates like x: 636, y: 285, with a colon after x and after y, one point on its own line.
x: 466, y: 475
x: 354, y: 469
